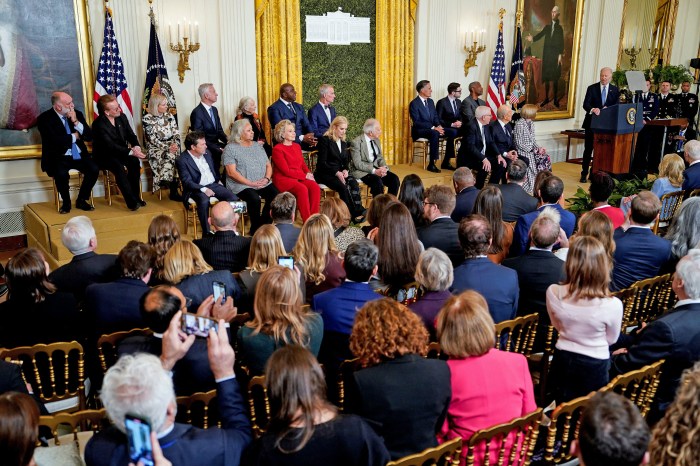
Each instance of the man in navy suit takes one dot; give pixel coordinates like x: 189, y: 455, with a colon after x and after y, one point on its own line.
x: 674, y: 337
x: 282, y: 210
x: 426, y: 123
x: 475, y: 151
x: 497, y: 284
x: 691, y: 175
x: 450, y: 118
x: 205, y: 118
x: 200, y: 180
x: 225, y: 249
x: 323, y: 113
x: 182, y: 443
x: 286, y: 108
x: 516, y: 201
x: 650, y: 101
x: 463, y: 181
x: 639, y: 253
x: 550, y: 195
x: 598, y: 96
x: 502, y: 143
x: 441, y: 233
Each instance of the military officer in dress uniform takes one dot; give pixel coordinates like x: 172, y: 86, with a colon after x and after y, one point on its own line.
x: 668, y: 103
x: 688, y: 104
x: 643, y: 147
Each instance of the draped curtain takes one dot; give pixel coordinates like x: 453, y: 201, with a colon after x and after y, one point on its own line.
x: 278, y: 51
x: 396, y: 21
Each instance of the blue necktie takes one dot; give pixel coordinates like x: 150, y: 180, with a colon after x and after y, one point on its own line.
x: 211, y: 114
x: 74, y: 150
x: 291, y: 107
x: 605, y: 94
x: 679, y: 146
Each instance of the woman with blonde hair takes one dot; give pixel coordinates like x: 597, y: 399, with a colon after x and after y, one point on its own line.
x: 337, y: 211
x: 279, y: 319
x: 670, y: 178
x: 503, y: 388
x: 399, y: 391
x: 318, y: 254
x: 597, y: 225
x: 526, y: 146
x: 162, y: 234
x: 162, y: 143
x: 587, y: 318
x: 185, y: 268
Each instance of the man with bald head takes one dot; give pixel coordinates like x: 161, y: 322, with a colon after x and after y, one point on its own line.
x: 63, y: 132
x: 598, y: 96
x: 225, y: 249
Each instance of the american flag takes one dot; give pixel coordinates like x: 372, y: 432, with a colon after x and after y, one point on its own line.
x: 497, y: 80
x: 110, y: 73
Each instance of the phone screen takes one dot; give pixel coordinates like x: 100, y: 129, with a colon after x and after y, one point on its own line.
x: 286, y: 261
x: 138, y: 432
x: 196, y: 325
x: 219, y: 291
x: 239, y: 207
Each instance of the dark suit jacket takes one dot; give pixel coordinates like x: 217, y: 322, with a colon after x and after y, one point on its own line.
x: 318, y: 119
x: 190, y: 175
x: 675, y: 337
x: 521, y: 238
x: 225, y: 250
x: 278, y: 111
x: 497, y: 284
x: 199, y: 287
x: 691, y: 177
x: 500, y: 141
x: 470, y: 151
x: 672, y: 144
x: 11, y: 381
x: 594, y: 99
x: 446, y: 112
x: 442, y: 234
x: 536, y: 271
x: 516, y: 202
x: 468, y: 109
x: 83, y: 270
x: 639, y: 254
x: 651, y: 104
x: 213, y: 133
x: 55, y: 142
x: 405, y: 400
x: 423, y: 116
x: 187, y: 445
x: 464, y: 203
x: 112, y: 141
x: 688, y: 105
x: 289, y: 234
x: 115, y: 306
x: 330, y: 159
x: 669, y: 107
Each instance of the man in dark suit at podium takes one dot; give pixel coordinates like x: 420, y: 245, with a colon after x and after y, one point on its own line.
x: 426, y: 123
x: 205, y: 118
x: 286, y: 108
x: 650, y: 101
x: 598, y: 96
x: 450, y: 118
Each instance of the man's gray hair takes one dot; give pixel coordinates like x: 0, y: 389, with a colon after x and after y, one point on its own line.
x: 544, y: 231
x: 434, y: 270
x: 502, y: 111
x: 692, y: 149
x: 481, y: 111
x: 463, y: 177
x: 684, y: 233
x: 323, y: 90
x: 137, y: 385
x: 688, y: 270
x: 370, y: 125
x: 77, y: 233
x: 203, y: 89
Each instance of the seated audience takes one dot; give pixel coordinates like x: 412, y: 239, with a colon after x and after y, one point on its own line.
x: 322, y: 113
x: 185, y: 268
x: 375, y: 214
x: 516, y: 201
x: 463, y: 183
x: 248, y: 173
x: 279, y: 320
x: 639, y: 253
x: 411, y: 194
x: 550, y: 192
x: 282, y: 209
x: 691, y: 175
x: 497, y: 284
x: 162, y: 234
x: 140, y: 385
x: 475, y: 151
x: 86, y: 266
x: 426, y: 124
x: 114, y: 306
x: 612, y: 433
x: 592, y: 223
x: 200, y: 178
x: 338, y: 306
x: 399, y: 249
x: 319, y: 257
x: 441, y: 232
x: 35, y: 311
x: 12, y: 380
x: 247, y: 110
x: 336, y: 210
x: 539, y: 179
x: 225, y: 249
x: 684, y: 233
x: 434, y: 273
x: 367, y: 163
x: 286, y: 108
x: 291, y: 173
x: 587, y: 318
x: 601, y: 188
x: 402, y: 395
x: 527, y: 147
x: 672, y: 337
x: 489, y: 386
x: 19, y: 429
x: 305, y: 429
x: 502, y: 143
x: 489, y: 203
x: 670, y: 177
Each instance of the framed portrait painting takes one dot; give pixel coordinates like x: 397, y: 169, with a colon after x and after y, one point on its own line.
x: 551, y: 31
x: 44, y: 47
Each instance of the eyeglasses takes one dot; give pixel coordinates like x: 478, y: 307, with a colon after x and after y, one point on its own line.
x: 188, y: 303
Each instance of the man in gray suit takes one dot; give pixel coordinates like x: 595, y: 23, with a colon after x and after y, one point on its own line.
x: 470, y: 103
x: 367, y: 163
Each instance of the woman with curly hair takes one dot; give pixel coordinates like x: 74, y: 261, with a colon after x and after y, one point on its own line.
x: 162, y: 234
x: 402, y: 394
x: 411, y: 194
x: 279, y: 320
x: 318, y: 254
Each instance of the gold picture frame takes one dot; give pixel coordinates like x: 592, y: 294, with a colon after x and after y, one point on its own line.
x: 541, y: 59
x: 81, y: 64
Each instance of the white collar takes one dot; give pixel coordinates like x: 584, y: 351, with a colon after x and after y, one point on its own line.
x: 683, y: 302
x: 207, y: 106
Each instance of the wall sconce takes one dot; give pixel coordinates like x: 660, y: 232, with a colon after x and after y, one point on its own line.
x: 187, y: 42
x: 473, y: 50
x: 632, y: 53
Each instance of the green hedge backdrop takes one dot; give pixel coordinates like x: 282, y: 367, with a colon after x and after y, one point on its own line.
x: 349, y: 68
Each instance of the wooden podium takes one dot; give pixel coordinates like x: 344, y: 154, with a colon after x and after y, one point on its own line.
x: 613, y: 131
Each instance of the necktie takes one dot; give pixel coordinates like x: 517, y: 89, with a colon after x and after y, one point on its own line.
x: 483, y: 141
x: 454, y: 107
x: 374, y: 150
x: 74, y: 150
x: 605, y: 94
x: 327, y: 107
x: 290, y: 107
x: 211, y: 115
x: 425, y: 103
x: 679, y: 146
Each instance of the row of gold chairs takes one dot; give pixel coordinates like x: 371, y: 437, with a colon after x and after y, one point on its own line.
x: 646, y: 300
x: 670, y: 204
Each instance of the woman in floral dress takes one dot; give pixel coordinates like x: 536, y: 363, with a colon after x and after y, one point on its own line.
x: 162, y: 138
x: 526, y: 146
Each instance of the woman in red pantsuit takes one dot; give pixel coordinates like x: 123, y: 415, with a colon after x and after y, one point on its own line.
x: 291, y: 174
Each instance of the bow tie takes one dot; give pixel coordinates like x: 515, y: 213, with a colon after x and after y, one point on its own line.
x: 327, y: 107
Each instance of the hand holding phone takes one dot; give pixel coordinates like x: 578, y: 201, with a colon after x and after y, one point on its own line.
x: 138, y: 433
x: 219, y: 291
x: 286, y: 261
x: 199, y: 326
